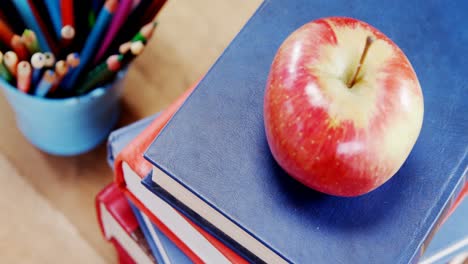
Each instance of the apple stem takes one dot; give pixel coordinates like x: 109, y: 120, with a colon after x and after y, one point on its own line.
x: 369, y: 41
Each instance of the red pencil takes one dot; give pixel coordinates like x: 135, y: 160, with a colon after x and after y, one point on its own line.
x: 24, y: 71
x: 19, y: 47
x: 13, y: 41
x: 68, y: 19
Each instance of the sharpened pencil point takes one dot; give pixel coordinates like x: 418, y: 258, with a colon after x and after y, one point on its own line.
x: 68, y: 32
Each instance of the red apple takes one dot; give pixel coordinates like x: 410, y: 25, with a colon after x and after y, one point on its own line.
x: 343, y: 106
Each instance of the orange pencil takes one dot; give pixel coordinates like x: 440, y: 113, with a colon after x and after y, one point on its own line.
x: 68, y: 19
x: 61, y: 69
x: 24, y: 71
x: 10, y: 59
x: 73, y: 60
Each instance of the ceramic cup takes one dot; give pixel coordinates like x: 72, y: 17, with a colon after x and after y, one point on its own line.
x: 69, y: 126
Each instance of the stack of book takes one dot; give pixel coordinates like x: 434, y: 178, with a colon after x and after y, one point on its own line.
x: 197, y: 183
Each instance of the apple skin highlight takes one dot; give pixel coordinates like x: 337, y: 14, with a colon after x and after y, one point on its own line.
x: 340, y: 140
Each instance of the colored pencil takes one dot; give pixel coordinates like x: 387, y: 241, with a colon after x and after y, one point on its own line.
x: 41, y: 22
x: 129, y: 51
x: 54, y: 11
x: 24, y: 76
x: 135, y: 49
x: 30, y: 41
x: 73, y: 60
x: 68, y: 19
x: 61, y: 69
x: 4, y: 72
x: 101, y: 74
x: 37, y: 63
x: 42, y: 14
x: 11, y: 40
x: 45, y: 84
x: 22, y: 6
x: 125, y: 47
x: 18, y: 46
x: 87, y: 32
x: 103, y: 20
x: 49, y: 60
x: 145, y: 32
x: 133, y: 23
x: 10, y: 59
x: 121, y: 14
x: 67, y: 32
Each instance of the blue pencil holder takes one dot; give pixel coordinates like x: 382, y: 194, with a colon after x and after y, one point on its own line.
x: 70, y: 126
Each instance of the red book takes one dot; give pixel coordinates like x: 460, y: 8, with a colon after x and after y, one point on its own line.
x: 123, y: 256
x: 131, y: 167
x: 120, y: 227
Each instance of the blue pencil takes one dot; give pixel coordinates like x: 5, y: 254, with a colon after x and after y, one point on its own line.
x: 46, y: 83
x: 97, y: 34
x: 27, y: 15
x: 53, y: 6
x: 37, y: 63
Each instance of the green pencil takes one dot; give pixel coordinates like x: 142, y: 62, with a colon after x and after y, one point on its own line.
x: 145, y: 32
x: 4, y: 72
x: 103, y: 73
x: 30, y: 41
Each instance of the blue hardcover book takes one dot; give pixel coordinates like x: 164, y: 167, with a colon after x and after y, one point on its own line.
x: 451, y: 239
x: 158, y: 252
x: 118, y: 140
x: 212, y: 161
x: 121, y: 137
x: 162, y: 247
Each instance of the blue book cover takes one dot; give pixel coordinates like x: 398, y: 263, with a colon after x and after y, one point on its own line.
x: 163, y: 249
x: 121, y: 137
x: 214, y: 149
x: 118, y: 140
x: 175, y: 255
x: 158, y: 253
x: 451, y: 239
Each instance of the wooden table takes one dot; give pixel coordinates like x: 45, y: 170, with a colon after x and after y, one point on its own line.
x: 190, y: 37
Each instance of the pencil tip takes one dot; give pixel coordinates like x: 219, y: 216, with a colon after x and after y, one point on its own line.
x: 68, y: 32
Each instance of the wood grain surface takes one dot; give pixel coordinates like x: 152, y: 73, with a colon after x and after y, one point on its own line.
x: 190, y: 37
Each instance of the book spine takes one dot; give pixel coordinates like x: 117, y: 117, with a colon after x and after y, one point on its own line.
x: 459, y: 190
x: 242, y: 254
x: 167, y: 232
